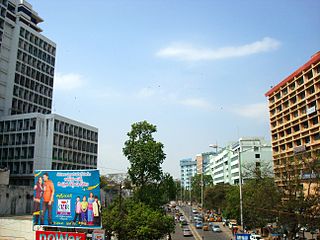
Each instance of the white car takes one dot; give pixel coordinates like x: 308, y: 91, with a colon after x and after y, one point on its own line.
x: 255, y: 237
x: 216, y: 228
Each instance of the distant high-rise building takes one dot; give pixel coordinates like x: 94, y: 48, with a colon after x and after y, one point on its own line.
x: 202, y: 160
x: 27, y: 61
x: 188, y: 169
x: 255, y: 157
x: 294, y: 107
x: 31, y: 138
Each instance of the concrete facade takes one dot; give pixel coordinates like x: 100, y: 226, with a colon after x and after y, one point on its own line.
x: 294, y: 108
x: 31, y: 138
x: 188, y: 169
x: 15, y: 200
x: 255, y: 154
x: 27, y: 61
x: 37, y: 141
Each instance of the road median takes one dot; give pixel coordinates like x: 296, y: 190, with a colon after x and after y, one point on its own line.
x: 192, y: 228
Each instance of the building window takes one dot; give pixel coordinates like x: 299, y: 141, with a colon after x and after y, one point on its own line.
x: 309, y: 75
x: 315, y: 120
x: 300, y: 81
x: 296, y: 128
x: 257, y: 155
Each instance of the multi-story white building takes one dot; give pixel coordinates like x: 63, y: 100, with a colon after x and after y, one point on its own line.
x: 255, y: 156
x: 45, y: 141
x: 27, y: 61
x: 31, y: 138
x: 188, y: 169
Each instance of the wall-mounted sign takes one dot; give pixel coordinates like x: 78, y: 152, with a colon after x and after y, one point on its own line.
x: 299, y: 149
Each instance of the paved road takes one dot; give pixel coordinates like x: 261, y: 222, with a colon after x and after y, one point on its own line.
x: 208, y: 235
x: 178, y: 235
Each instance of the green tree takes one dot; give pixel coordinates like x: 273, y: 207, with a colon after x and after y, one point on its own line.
x: 232, y: 209
x: 215, y: 196
x: 145, y: 156
x: 136, y: 221
x: 196, y: 185
x: 260, y: 197
x: 168, y: 188
x: 301, y: 192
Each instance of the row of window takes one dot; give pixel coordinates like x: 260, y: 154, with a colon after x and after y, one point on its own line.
x: 20, y: 107
x: 4, y: 2
x: 18, y: 125
x: 17, y: 139
x: 36, y: 52
x: 31, y: 72
x: 296, y: 128
x: 1, y: 23
x: 73, y: 157
x: 16, y: 153
x: 33, y: 85
x: 2, y: 12
x: 294, y: 99
x: 63, y: 166
x: 32, y: 97
x: 37, y: 41
x: 76, y: 131
x: 23, y: 167
x: 299, y: 142
x: 309, y: 109
x: 298, y: 82
x: 74, y: 143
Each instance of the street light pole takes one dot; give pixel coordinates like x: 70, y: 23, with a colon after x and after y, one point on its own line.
x: 202, y: 190
x: 240, y: 190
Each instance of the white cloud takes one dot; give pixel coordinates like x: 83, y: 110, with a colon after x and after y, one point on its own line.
x: 68, y: 81
x: 190, y: 53
x: 146, y: 92
x: 197, y: 103
x: 256, y: 110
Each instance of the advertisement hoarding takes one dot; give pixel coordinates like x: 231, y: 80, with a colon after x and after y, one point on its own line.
x: 67, y: 198
x: 50, y: 235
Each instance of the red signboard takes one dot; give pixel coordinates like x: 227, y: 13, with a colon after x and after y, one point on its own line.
x: 49, y: 235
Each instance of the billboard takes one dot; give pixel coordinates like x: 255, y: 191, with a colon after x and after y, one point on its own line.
x: 50, y: 235
x: 67, y: 198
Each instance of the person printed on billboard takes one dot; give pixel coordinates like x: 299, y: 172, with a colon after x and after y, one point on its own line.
x: 38, y: 187
x: 47, y: 199
x: 96, y: 211
x: 90, y: 209
x: 77, y: 210
x: 84, y: 209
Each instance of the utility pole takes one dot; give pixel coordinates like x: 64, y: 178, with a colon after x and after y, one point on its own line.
x: 202, y: 190
x: 240, y: 189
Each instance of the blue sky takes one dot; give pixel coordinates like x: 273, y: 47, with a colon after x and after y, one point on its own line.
x: 196, y: 69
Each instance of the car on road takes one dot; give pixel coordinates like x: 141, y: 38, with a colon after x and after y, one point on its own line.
x: 205, y: 227
x: 255, y: 237
x: 216, y: 228
x: 187, y: 232
x: 182, y: 218
x: 199, y: 225
x: 184, y: 223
